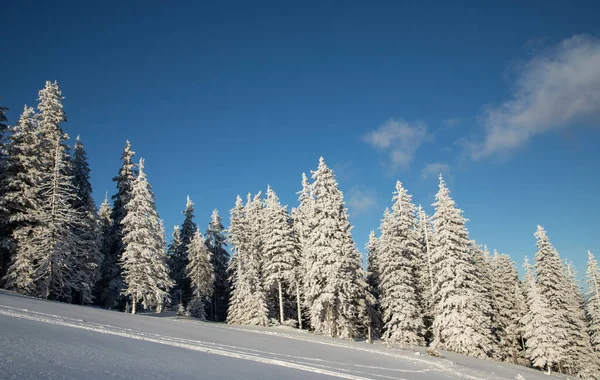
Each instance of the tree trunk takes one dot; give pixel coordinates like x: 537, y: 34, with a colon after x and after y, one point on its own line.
x: 298, y: 306
x: 133, y: 305
x: 280, y: 302
x: 369, y: 334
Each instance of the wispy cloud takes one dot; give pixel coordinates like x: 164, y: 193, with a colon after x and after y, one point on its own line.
x: 452, y: 122
x: 434, y: 169
x: 399, y: 139
x: 360, y: 200
x: 557, y: 88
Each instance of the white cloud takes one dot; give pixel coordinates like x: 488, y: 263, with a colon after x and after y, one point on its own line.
x: 452, y: 122
x: 360, y: 200
x: 434, y: 169
x: 557, y: 88
x: 399, y: 139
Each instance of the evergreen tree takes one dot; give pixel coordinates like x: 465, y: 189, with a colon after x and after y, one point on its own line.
x: 281, y: 257
x: 179, y: 260
x: 112, y: 279
x: 20, y: 202
x: 581, y: 360
x: 593, y: 300
x: 50, y: 116
x: 460, y: 321
x: 199, y: 271
x: 88, y: 264
x: 372, y: 279
x: 399, y: 298
x: 247, y: 304
x: 104, y: 230
x: 3, y: 118
x: 507, y: 307
x: 216, y: 242
x: 143, y: 261
x: 541, y: 341
x: 334, y: 285
x: 424, y: 268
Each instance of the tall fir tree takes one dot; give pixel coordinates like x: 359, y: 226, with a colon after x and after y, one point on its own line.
x: 334, y: 284
x: 281, y: 250
x: 398, y: 249
x: 200, y: 272
x: 145, y: 270
x: 424, y: 269
x: 20, y: 202
x: 461, y: 323
x: 542, y: 343
x: 593, y: 300
x: 373, y: 282
x: 182, y: 292
x: 50, y: 116
x: 90, y: 260
x: 104, y: 230
x: 112, y: 279
x: 581, y: 360
x: 507, y: 307
x: 247, y: 304
x: 216, y: 242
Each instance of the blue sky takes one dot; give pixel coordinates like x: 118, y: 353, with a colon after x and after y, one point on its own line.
x: 223, y: 98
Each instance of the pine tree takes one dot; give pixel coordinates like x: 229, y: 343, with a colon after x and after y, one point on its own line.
x: 247, y: 304
x: 50, y: 117
x: 334, y: 285
x: 581, y: 360
x: 104, y: 230
x: 143, y: 261
x: 281, y: 256
x: 460, y: 322
x: 541, y: 341
x: 399, y: 298
x: 593, y: 300
x: 199, y: 271
x: 20, y: 201
x: 507, y: 310
x: 216, y: 242
x: 112, y: 279
x: 172, y: 260
x: 425, y: 273
x: 3, y: 118
x: 88, y: 264
x: 372, y: 279
x: 179, y: 261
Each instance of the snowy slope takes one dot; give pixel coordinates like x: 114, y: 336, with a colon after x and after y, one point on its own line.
x: 41, y: 339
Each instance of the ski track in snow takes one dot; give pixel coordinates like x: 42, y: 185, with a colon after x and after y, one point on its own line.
x: 221, y: 349
x: 425, y: 366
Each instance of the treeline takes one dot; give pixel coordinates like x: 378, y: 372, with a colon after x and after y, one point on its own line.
x: 427, y: 282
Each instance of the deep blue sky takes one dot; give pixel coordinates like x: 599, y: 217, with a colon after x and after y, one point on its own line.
x: 222, y: 98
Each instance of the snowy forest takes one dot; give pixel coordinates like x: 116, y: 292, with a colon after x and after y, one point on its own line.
x: 423, y: 282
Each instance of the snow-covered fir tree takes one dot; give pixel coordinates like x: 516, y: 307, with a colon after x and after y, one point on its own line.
x: 334, y: 284
x: 372, y: 279
x: 88, y: 263
x: 104, y: 230
x: 424, y: 268
x: 542, y: 342
x: 581, y: 360
x: 593, y: 300
x: 145, y: 271
x: 112, y: 280
x: 199, y: 271
x: 50, y: 116
x: 181, y: 292
x: 216, y: 242
x: 247, y: 304
x: 20, y: 201
x: 281, y: 250
x: 461, y: 323
x: 399, y: 297
x: 507, y: 307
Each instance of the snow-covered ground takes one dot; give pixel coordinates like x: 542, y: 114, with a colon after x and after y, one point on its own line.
x: 48, y: 340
